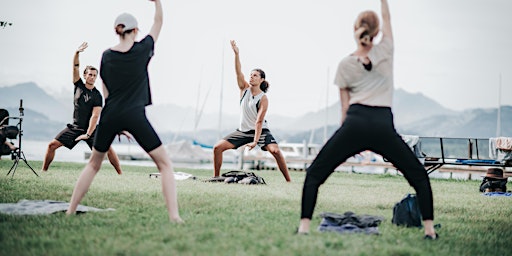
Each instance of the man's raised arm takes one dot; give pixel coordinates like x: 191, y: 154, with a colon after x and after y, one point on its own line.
x: 76, y: 62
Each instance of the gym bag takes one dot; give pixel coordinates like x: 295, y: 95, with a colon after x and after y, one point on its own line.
x: 407, y: 212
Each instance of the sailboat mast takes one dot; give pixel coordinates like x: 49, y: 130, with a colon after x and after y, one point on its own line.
x: 326, y: 106
x: 498, y: 122
x: 196, y: 115
x: 219, y: 130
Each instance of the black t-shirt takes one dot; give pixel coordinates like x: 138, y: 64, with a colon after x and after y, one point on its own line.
x: 84, y: 101
x: 125, y: 75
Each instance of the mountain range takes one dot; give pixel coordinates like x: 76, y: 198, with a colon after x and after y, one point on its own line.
x: 414, y: 113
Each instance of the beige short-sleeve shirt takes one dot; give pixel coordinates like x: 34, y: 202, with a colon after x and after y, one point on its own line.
x: 372, y: 88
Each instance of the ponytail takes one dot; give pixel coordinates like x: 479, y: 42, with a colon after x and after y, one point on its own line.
x: 367, y: 25
x: 264, y: 86
x: 120, y: 30
x: 365, y: 39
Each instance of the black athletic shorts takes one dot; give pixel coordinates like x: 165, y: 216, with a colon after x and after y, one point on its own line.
x: 239, y: 138
x: 70, y: 133
x: 134, y: 122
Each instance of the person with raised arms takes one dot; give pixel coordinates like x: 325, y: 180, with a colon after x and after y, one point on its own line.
x: 365, y: 81
x: 87, y: 102
x: 124, y: 71
x: 253, y: 129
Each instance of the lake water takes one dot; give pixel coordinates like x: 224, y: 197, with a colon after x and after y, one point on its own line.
x: 35, y: 150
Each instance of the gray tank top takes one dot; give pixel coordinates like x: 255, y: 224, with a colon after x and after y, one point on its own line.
x: 249, y: 106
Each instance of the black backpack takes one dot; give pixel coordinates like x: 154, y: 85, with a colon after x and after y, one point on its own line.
x: 240, y: 177
x: 407, y: 212
x: 493, y: 185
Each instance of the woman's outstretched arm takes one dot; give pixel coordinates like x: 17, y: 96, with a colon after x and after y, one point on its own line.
x: 158, y: 20
x: 386, y: 20
x: 242, y: 84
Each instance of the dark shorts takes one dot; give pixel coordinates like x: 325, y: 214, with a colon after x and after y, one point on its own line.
x: 2, y: 137
x: 70, y: 133
x: 134, y: 122
x: 239, y: 138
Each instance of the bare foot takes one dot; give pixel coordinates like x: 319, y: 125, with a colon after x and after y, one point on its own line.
x: 177, y: 220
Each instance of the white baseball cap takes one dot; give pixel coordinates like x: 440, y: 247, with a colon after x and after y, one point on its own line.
x: 127, y: 20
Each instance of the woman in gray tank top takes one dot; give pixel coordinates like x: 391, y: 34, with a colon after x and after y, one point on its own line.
x: 253, y: 129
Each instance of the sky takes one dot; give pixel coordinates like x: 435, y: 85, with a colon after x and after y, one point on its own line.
x: 456, y: 52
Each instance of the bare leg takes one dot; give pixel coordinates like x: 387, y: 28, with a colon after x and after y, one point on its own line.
x: 281, y: 163
x: 85, y: 180
x: 164, y: 165
x: 50, y: 153
x: 218, y: 149
x: 304, y: 226
x: 429, y: 228
x: 114, y: 160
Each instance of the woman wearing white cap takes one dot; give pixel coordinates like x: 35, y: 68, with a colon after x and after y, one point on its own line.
x: 126, y: 88
x: 365, y: 78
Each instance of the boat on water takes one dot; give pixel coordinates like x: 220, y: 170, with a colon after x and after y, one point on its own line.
x: 296, y: 155
x: 179, y: 152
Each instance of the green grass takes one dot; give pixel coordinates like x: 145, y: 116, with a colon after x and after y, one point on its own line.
x: 233, y: 219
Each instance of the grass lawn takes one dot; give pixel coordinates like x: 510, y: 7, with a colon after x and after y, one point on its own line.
x: 234, y: 219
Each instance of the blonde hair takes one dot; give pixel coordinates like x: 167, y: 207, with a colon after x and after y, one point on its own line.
x: 368, y: 21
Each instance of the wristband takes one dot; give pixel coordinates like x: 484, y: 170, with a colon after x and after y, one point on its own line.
x: 88, y: 136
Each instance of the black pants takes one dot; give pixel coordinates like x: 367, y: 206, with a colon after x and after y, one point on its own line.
x: 134, y: 122
x: 367, y: 128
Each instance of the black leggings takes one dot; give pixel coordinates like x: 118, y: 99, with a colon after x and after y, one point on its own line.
x: 367, y: 128
x: 133, y: 121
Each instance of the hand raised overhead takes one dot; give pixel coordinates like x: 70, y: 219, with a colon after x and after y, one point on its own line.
x: 82, y: 47
x: 234, y: 47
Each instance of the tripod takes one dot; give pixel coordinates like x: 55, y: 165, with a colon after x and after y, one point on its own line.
x: 18, y: 154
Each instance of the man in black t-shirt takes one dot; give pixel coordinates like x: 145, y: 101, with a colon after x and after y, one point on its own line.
x: 87, y: 103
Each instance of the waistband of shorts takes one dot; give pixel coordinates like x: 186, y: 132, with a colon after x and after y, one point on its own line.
x: 253, y: 131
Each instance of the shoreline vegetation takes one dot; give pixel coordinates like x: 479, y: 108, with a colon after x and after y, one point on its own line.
x: 235, y: 219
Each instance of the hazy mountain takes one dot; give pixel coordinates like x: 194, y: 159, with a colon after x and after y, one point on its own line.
x: 36, y: 99
x: 313, y: 120
x: 412, y: 107
x: 170, y: 117
x: 407, y: 108
x: 35, y: 126
x: 480, y: 123
x: 474, y: 123
x: 414, y: 114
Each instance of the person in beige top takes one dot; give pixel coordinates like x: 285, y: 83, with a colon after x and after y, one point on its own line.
x: 365, y: 79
